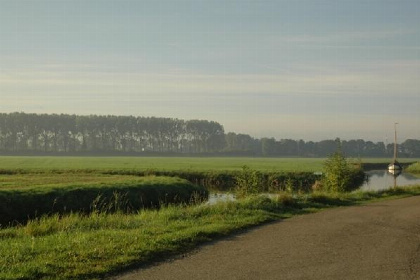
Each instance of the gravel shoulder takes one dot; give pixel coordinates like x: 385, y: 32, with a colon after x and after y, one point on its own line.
x: 374, y: 241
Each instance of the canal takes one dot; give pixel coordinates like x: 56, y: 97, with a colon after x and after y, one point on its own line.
x: 381, y: 180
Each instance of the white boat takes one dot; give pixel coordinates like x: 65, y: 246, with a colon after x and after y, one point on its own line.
x: 395, y: 167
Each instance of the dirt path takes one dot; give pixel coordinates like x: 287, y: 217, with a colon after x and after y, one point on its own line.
x: 376, y: 241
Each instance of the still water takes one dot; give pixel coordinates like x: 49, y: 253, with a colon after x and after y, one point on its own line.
x: 220, y: 197
x: 381, y: 180
x: 378, y: 180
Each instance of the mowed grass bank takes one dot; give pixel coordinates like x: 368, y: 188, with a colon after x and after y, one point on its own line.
x: 98, y: 245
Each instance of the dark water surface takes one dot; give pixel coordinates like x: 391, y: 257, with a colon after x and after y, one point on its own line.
x: 381, y: 180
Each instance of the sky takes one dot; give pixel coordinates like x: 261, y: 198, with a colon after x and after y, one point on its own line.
x: 297, y: 69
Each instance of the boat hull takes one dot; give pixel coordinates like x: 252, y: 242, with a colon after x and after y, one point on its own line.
x: 394, y: 167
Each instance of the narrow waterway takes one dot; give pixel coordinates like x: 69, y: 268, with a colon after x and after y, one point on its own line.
x: 377, y: 180
x: 381, y: 180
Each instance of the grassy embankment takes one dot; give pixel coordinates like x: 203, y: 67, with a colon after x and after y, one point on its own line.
x: 414, y: 168
x: 27, y: 196
x: 91, y: 246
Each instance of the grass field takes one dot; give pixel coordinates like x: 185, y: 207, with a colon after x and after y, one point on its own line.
x: 169, y: 163
x: 158, y: 163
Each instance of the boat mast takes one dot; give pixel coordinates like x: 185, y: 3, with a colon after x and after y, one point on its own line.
x: 395, y: 142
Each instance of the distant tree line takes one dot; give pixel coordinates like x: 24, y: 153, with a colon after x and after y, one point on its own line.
x: 22, y: 133
x: 270, y: 147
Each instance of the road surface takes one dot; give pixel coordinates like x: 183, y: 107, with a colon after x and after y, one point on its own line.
x: 374, y: 241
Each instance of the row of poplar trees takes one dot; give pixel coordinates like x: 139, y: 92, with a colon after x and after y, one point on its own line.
x: 21, y: 132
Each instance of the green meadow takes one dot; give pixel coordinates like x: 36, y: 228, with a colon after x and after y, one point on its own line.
x: 159, y: 163
x: 170, y: 163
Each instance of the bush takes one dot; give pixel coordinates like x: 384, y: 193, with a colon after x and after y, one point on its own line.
x: 339, y: 175
x: 249, y: 182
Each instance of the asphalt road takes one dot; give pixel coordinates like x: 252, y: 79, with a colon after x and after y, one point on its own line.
x: 375, y: 241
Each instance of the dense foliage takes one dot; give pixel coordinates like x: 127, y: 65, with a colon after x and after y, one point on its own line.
x: 22, y: 133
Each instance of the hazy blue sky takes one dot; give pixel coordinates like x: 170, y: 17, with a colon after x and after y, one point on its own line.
x: 300, y: 69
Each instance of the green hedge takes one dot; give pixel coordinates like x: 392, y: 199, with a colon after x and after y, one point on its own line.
x: 17, y: 206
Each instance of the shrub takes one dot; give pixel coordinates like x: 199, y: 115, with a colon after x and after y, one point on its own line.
x: 339, y: 175
x: 249, y: 182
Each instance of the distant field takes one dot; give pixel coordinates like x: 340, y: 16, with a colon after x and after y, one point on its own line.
x: 168, y: 163
x: 158, y: 163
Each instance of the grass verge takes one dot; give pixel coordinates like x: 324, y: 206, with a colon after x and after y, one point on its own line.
x: 96, y: 245
x: 414, y: 168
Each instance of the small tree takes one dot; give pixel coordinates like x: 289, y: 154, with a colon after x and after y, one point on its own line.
x: 249, y: 182
x: 337, y: 173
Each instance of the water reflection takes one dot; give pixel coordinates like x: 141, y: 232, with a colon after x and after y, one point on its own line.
x: 220, y: 197
x: 377, y: 180
x: 382, y: 179
x: 225, y: 197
